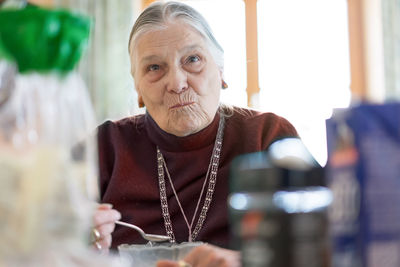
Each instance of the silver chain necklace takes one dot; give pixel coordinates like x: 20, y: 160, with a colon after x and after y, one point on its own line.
x: 211, y: 173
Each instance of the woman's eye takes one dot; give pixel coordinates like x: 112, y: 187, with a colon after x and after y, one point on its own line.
x: 153, y: 67
x: 192, y: 59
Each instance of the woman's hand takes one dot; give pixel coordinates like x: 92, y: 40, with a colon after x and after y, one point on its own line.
x: 206, y: 256
x: 104, y: 223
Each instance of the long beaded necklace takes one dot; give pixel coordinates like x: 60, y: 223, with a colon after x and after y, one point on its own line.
x: 211, y: 174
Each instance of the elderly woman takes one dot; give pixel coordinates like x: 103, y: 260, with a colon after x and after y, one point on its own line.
x: 167, y: 170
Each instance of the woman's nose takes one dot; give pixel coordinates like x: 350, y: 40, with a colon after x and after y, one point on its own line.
x: 177, y: 80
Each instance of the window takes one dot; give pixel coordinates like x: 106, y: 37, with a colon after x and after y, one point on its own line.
x: 304, y: 64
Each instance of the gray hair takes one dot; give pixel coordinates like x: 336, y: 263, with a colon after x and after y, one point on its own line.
x: 158, y: 14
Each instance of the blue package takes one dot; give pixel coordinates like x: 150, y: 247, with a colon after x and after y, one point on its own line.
x: 363, y: 172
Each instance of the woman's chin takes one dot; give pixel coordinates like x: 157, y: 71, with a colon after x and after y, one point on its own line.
x: 186, y: 123
x: 185, y: 128
x: 184, y: 131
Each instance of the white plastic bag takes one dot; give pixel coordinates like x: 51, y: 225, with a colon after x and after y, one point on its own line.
x: 48, y: 164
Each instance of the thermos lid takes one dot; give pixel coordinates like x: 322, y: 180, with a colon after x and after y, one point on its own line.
x: 286, y: 164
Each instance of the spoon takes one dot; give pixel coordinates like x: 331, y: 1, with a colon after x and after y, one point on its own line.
x: 149, y: 237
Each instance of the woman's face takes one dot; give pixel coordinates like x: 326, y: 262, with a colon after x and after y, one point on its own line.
x: 177, y: 78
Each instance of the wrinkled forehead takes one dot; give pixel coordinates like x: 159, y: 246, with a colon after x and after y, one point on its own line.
x: 176, y: 23
x: 177, y: 34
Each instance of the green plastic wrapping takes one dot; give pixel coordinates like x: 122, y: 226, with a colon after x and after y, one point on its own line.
x: 43, y: 40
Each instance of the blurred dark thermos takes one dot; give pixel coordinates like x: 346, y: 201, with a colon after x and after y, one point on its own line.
x: 278, y: 207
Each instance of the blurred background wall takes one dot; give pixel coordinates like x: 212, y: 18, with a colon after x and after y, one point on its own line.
x: 106, y: 67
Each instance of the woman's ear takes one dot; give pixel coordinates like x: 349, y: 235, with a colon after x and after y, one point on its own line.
x: 224, y: 85
x: 140, y: 102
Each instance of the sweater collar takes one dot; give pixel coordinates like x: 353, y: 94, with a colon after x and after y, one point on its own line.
x: 173, y: 143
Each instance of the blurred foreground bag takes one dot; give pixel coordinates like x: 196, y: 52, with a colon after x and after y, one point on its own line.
x: 48, y: 157
x: 364, y: 174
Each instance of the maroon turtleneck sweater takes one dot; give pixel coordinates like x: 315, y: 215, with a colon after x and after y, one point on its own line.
x: 129, y: 179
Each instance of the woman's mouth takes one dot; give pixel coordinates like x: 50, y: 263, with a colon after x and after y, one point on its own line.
x: 180, y: 105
